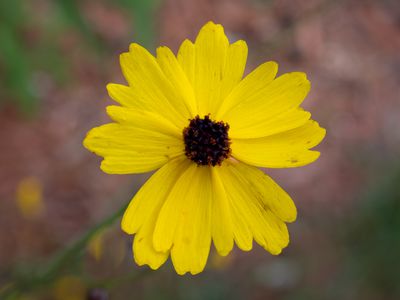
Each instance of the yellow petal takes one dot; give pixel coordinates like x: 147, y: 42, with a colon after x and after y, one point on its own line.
x: 259, y: 108
x: 131, y: 99
x: 192, y: 240
x: 169, y: 216
x: 233, y: 70
x: 173, y: 71
x: 184, y: 222
x: 240, y: 228
x: 271, y: 195
x: 127, y: 97
x: 221, y: 218
x: 186, y: 55
x: 251, y: 84
x: 143, y: 119
x: 213, y: 66
x: 282, y: 150
x: 149, y: 84
x: 130, y: 149
x: 152, y: 194
x: 268, y: 126
x: 143, y: 250
x: 266, y: 229
x: 141, y: 215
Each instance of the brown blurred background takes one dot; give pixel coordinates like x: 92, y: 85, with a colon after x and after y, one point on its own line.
x: 56, y: 58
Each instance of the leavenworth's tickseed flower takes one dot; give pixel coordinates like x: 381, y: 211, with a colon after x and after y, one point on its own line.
x: 205, y: 128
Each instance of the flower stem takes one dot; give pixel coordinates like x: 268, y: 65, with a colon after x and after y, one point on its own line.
x: 60, y: 261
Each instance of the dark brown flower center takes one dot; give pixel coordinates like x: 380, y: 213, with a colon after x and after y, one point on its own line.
x: 206, y: 141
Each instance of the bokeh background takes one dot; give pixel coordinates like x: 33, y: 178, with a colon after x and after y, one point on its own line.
x: 56, y: 58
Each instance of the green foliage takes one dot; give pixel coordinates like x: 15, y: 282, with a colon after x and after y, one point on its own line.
x: 29, y: 279
x: 21, y: 60
x: 14, y: 59
x: 71, y: 14
x: 143, y: 14
x: 373, y: 242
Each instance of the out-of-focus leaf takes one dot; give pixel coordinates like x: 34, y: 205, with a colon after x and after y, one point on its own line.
x: 11, y: 12
x: 14, y: 65
x: 372, y: 240
x: 16, y: 71
x: 69, y: 9
x: 143, y: 18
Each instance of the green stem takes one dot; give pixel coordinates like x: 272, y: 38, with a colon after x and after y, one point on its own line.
x: 61, y: 259
x: 112, y: 283
x: 59, y: 262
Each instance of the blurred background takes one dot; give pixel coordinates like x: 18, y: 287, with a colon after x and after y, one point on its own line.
x: 56, y: 58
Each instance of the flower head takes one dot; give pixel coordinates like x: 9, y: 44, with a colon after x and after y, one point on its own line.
x: 206, y: 129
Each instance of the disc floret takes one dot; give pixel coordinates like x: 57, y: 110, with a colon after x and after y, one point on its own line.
x: 207, y: 141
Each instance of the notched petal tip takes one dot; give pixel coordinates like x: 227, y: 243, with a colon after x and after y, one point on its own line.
x: 187, y: 43
x: 112, y: 109
x: 125, y: 227
x: 300, y: 79
x: 163, y: 50
x: 301, y: 76
x: 210, y: 28
x: 114, y: 91
x: 85, y: 142
x: 126, y: 222
x: 291, y: 216
x: 161, y: 246
x: 117, y: 113
x: 314, y: 154
x: 90, y: 135
x: 135, y: 47
x: 106, y: 168
x: 269, y: 68
x: 195, y: 272
x: 123, y: 57
x: 224, y: 252
x: 275, y: 251
x: 241, y: 43
x: 272, y: 65
x: 239, y: 51
x: 244, y: 247
x: 317, y: 134
x: 136, y: 52
x: 323, y: 132
x: 145, y: 256
x: 212, y: 25
x: 110, y: 87
x: 183, y: 271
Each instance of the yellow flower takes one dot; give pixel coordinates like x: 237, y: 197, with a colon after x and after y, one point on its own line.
x: 205, y: 128
x: 29, y: 196
x: 96, y: 246
x: 69, y: 288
